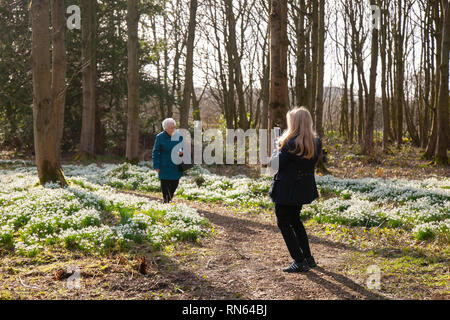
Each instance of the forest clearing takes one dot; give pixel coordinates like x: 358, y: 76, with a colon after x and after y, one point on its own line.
x: 224, y: 150
x: 221, y: 241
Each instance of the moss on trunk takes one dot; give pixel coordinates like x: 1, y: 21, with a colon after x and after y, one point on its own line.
x: 320, y: 166
x: 51, y: 173
x: 438, y: 160
x: 133, y: 161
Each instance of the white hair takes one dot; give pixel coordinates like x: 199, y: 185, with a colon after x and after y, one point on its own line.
x: 167, y: 121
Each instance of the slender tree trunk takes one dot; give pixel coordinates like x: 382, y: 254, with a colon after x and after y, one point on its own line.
x: 320, y: 70
x: 176, y: 63
x: 443, y: 103
x: 88, y: 31
x: 314, y: 56
x: 265, y: 85
x: 300, y: 61
x: 343, y: 122
x: 399, y: 37
x: 278, y: 96
x: 368, y: 146
x: 432, y: 142
x: 231, y: 96
x: 161, y: 97
x: 320, y: 78
x: 352, y: 105
x: 384, y: 99
x: 186, y: 103
x: 427, y: 71
x: 59, y: 68
x: 132, y: 152
x: 360, y: 109
x: 391, y: 91
x: 168, y: 102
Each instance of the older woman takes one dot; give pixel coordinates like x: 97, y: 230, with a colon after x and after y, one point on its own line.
x: 168, y: 171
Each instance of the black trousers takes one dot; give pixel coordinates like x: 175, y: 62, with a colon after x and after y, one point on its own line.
x: 168, y: 188
x: 293, y: 231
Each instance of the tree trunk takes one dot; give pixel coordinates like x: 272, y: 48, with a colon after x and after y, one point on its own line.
x: 368, y: 146
x: 132, y: 152
x: 314, y: 56
x: 59, y: 68
x: 428, y: 72
x: 391, y: 91
x: 320, y: 69
x: 301, y: 56
x: 384, y: 99
x: 168, y: 102
x: 432, y: 142
x: 44, y: 107
x: 178, y: 48
x: 360, y: 109
x: 231, y: 96
x: 442, y: 104
x: 399, y: 76
x: 88, y: 34
x: 278, y: 94
x: 186, y: 103
x: 352, y: 106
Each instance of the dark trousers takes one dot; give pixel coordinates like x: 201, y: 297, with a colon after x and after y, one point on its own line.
x: 168, y: 188
x: 293, y: 231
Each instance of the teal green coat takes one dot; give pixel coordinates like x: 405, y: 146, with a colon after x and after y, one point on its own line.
x: 161, y: 155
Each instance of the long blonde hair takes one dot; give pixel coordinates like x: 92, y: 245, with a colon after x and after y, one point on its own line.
x: 299, y: 122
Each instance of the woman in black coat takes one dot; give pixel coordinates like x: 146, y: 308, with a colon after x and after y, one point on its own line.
x: 294, y: 184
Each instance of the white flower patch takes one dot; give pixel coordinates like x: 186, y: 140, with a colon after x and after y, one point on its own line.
x: 432, y: 229
x: 186, y: 214
x: 12, y: 181
x: 32, y: 216
x: 366, y: 201
x: 399, y: 190
x: 91, y: 239
x: 41, y: 215
x: 6, y: 234
x: 27, y: 249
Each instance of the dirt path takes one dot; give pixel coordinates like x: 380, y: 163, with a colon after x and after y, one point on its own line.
x: 245, y: 257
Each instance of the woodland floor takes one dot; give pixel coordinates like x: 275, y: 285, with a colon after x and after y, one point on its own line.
x: 243, y: 257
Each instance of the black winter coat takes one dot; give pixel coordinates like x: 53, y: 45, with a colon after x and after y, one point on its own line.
x: 294, y: 183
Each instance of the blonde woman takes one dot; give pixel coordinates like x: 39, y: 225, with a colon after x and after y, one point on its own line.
x: 294, y: 184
